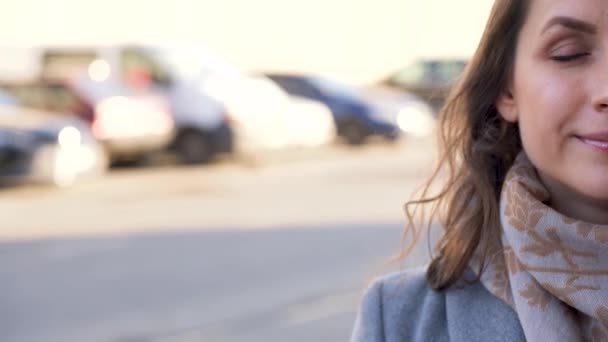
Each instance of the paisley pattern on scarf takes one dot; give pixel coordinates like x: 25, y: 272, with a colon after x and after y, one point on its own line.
x: 553, y: 270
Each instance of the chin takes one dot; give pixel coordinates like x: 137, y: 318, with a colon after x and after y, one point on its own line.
x: 592, y: 188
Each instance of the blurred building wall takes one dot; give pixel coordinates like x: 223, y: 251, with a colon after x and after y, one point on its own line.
x: 359, y: 40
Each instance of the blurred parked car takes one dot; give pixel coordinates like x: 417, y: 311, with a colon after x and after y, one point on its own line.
x: 257, y: 108
x: 309, y: 123
x: 357, y: 114
x: 261, y: 114
x: 128, y: 125
x: 201, y: 127
x: 202, y: 122
x: 431, y: 79
x: 413, y: 115
x: 38, y: 146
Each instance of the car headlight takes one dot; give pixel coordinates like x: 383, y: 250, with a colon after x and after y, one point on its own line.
x: 415, y: 120
x: 69, y: 137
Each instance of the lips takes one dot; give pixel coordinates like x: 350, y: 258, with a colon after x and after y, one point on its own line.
x: 597, y: 140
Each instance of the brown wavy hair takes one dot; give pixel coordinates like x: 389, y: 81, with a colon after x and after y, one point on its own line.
x: 476, y: 148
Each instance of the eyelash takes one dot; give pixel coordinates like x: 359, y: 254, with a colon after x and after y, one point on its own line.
x: 570, y: 58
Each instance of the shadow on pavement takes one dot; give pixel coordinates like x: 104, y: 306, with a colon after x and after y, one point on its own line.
x: 284, y: 283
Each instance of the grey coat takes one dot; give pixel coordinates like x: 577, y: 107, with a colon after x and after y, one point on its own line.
x: 401, y: 307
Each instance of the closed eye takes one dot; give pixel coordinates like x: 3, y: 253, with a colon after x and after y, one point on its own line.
x: 569, y: 58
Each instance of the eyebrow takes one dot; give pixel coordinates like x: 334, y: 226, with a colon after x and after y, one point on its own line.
x: 571, y: 23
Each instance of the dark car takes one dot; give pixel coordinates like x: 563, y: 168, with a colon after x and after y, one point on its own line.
x: 40, y: 146
x: 355, y: 116
x: 430, y: 79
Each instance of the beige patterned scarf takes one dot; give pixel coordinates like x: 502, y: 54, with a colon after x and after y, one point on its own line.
x: 551, y: 269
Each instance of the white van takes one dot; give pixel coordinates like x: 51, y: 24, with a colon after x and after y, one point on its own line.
x: 255, y: 105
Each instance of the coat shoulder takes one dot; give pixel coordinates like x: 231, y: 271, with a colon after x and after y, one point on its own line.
x: 403, y: 307
x: 400, y: 306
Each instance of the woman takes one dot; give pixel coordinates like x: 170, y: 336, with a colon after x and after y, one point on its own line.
x: 524, y: 141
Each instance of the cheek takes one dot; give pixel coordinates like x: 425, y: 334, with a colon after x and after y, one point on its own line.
x: 547, y: 104
x: 551, y: 109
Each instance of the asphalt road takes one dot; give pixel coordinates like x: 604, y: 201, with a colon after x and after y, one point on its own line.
x: 277, y: 250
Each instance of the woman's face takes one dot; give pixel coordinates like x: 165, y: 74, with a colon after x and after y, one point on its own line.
x: 559, y: 96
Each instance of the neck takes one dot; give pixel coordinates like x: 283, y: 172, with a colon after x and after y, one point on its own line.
x: 573, y: 204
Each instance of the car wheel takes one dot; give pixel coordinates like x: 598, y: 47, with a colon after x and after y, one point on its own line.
x: 193, y: 147
x: 392, y: 138
x: 128, y: 161
x: 353, y: 132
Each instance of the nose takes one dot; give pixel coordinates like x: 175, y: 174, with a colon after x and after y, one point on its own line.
x: 601, y: 105
x: 600, y: 91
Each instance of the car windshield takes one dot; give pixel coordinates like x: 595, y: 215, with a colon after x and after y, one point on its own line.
x: 411, y: 74
x: 191, y: 63
x: 96, y: 91
x: 334, y: 87
x: 429, y: 72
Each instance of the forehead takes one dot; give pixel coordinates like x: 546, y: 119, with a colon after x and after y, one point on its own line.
x: 592, y: 11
